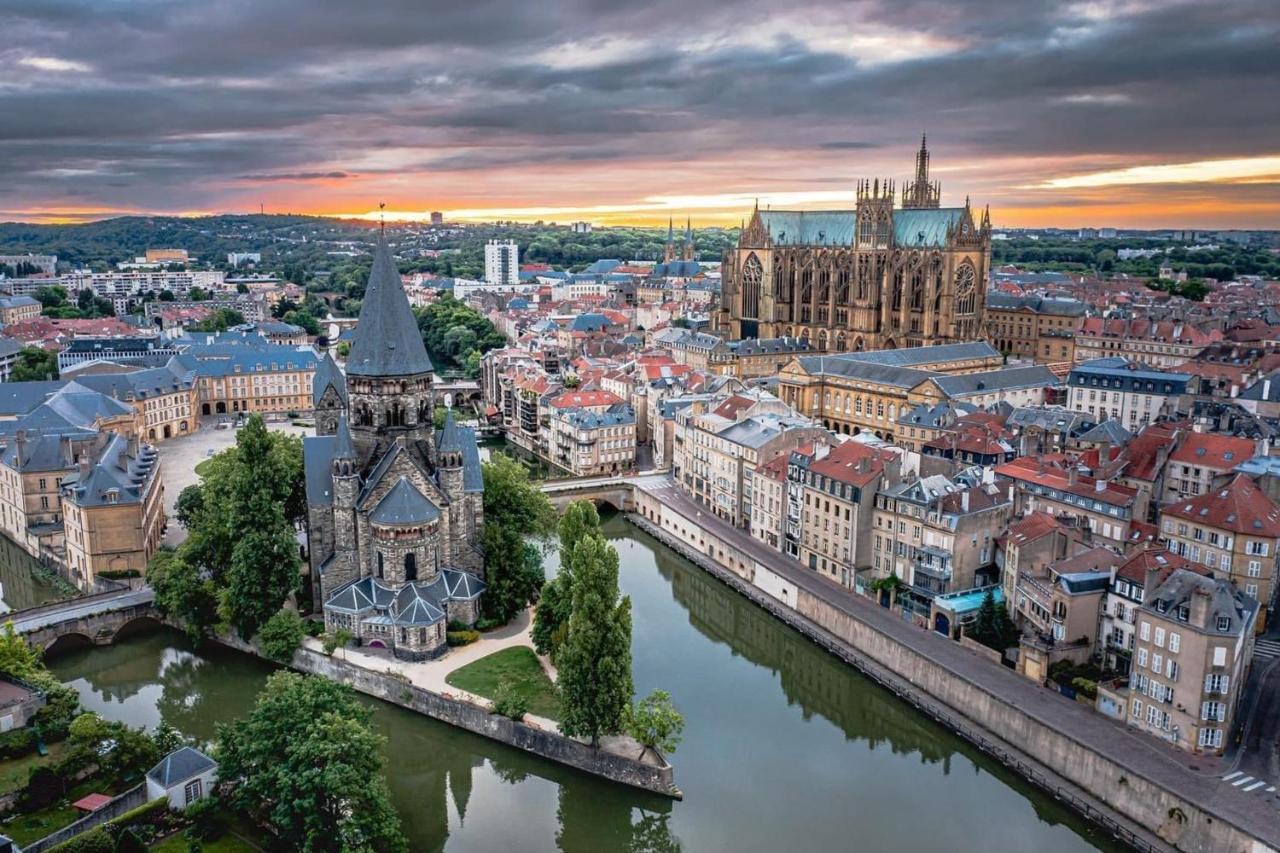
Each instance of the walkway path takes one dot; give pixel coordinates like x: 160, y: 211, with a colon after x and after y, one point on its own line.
x: 432, y: 675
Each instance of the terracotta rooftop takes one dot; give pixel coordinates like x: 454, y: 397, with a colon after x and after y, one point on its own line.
x: 1212, y: 450
x: 1240, y: 507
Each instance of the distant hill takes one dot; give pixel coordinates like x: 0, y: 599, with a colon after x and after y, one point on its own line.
x: 209, y: 238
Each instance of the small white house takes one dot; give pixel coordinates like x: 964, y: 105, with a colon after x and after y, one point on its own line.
x: 184, y: 776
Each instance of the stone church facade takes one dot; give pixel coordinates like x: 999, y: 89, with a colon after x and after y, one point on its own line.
x: 395, y: 507
x: 874, y: 277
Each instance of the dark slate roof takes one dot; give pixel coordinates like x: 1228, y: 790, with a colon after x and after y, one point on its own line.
x: 419, y: 603
x: 600, y: 267
x: 1109, y: 431
x: 450, y: 438
x: 617, y: 415
x: 114, y: 471
x: 404, y: 504
x: 387, y: 341
x: 913, y: 356
x: 1055, y: 306
x: 756, y: 346
x: 142, y: 384
x: 411, y: 603
x: 1225, y: 601
x: 462, y: 586
x: 677, y: 269
x: 327, y: 374
x: 179, y: 766
x: 1004, y: 379
x: 885, y: 374
x: 44, y: 451
x: 925, y: 227
x: 361, y: 595
x: 343, y: 447
x: 589, y: 323
x: 17, y: 398
x: 317, y: 463
x: 9, y: 346
x: 472, y: 474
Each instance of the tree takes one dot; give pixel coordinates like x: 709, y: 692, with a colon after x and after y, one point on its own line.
x: 595, y: 660
x: 219, y: 321
x: 555, y: 605
x: 655, y: 723
x: 305, y: 320
x: 984, y: 624
x: 307, y: 763
x: 451, y: 331
x: 281, y: 636
x: 18, y: 660
x: 189, y: 505
x: 515, y: 512
x: 34, y: 364
x: 183, y: 593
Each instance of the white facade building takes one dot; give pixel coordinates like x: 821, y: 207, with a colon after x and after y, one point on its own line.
x: 502, y: 262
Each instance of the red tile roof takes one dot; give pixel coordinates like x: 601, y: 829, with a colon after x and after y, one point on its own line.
x: 1031, y: 527
x: 1240, y: 507
x: 1028, y: 469
x: 585, y: 399
x: 844, y: 464
x: 731, y: 407
x: 1210, y: 450
x: 1165, y: 562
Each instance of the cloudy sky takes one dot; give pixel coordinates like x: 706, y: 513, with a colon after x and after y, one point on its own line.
x: 1132, y: 113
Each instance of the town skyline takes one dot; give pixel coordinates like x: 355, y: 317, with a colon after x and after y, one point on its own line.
x: 1065, y: 115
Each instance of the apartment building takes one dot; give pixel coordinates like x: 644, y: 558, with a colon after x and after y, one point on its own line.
x: 831, y: 505
x: 15, y: 309
x: 1119, y: 618
x: 1122, y: 390
x: 113, y: 509
x: 502, y: 262
x: 1060, y: 604
x: 714, y: 451
x: 1198, y: 458
x: 1191, y: 657
x: 1161, y: 344
x: 164, y: 399
x: 938, y: 536
x: 588, y: 443
x: 769, y: 498
x: 1042, y: 484
x: 1038, y: 328
x: 1234, y: 531
x: 120, y: 350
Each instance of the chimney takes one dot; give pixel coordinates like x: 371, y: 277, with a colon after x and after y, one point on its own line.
x: 1150, y: 582
x: 1099, y: 485
x: 1073, y: 475
x: 1104, y: 455
x: 964, y: 501
x: 84, y: 467
x: 1200, y: 603
x: 20, y: 439
x: 1266, y: 389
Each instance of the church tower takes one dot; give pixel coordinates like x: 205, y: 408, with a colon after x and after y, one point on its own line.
x: 669, y: 253
x: 920, y: 193
x: 688, y: 253
x: 346, y: 489
x: 388, y: 371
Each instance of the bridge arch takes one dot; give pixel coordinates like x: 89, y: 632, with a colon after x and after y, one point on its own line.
x: 136, y: 626
x: 68, y: 642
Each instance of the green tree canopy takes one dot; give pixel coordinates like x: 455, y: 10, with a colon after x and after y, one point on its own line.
x: 34, y: 364
x: 452, y: 330
x: 655, y: 723
x: 516, y: 513
x: 595, y: 659
x: 307, y: 762
x: 555, y: 605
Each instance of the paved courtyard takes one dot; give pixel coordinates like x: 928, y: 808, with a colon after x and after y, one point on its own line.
x: 179, y: 457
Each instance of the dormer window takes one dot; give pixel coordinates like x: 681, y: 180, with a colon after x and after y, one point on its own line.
x: 113, y: 496
x: 1184, y: 613
x: 1224, y: 623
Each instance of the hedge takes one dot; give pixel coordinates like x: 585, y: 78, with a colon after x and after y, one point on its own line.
x: 461, y: 638
x: 103, y: 839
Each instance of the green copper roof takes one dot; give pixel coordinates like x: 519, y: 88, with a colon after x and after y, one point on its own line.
x: 924, y: 228
x: 809, y: 227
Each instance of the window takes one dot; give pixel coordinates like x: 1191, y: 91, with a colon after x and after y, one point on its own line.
x: 1160, y: 638
x: 1144, y: 631
x: 1216, y: 683
x: 1142, y: 657
x: 1220, y: 656
x: 1210, y: 738
x: 1157, y: 662
x: 1175, y: 641
x: 1137, y: 708
x: 1213, y: 711
x: 1255, y: 569
x: 1172, y: 669
x: 192, y: 791
x: 1258, y: 548
x: 1224, y: 623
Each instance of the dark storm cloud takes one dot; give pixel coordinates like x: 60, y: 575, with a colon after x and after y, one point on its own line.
x: 189, y: 95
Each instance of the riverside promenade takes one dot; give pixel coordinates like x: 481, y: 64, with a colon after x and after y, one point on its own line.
x: 1152, y: 796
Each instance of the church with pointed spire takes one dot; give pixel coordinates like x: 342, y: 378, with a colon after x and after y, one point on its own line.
x: 875, y: 276
x: 679, y: 258
x: 394, y: 506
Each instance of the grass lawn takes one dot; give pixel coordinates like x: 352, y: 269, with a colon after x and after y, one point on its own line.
x: 13, y: 773
x: 25, y: 828
x: 517, y: 664
x: 241, y: 837
x: 203, y: 467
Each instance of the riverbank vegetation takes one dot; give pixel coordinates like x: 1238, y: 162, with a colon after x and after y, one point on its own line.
x: 456, y: 335
x: 516, y: 516
x: 307, y: 763
x: 240, y: 560
x: 512, y: 674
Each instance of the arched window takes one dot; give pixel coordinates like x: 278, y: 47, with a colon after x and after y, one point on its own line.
x: 965, y: 289
x: 752, y: 276
x: 410, y: 567
x: 380, y: 574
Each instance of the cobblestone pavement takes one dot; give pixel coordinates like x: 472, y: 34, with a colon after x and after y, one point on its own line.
x: 180, y: 456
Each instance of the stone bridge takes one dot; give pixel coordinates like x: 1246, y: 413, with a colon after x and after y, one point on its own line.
x: 460, y: 393
x: 92, y: 619
x: 615, y: 492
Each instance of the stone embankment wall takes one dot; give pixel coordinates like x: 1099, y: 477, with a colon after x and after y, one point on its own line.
x: 656, y: 778
x: 1108, y: 787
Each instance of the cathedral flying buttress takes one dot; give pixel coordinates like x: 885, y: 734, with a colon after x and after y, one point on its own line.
x: 876, y: 276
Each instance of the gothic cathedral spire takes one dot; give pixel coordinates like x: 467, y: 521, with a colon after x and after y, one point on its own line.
x: 920, y: 193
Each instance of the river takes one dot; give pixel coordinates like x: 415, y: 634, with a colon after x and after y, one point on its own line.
x: 785, y: 748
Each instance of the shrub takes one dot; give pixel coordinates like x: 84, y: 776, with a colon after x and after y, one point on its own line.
x: 1085, y: 686
x: 486, y: 623
x: 97, y: 840
x: 17, y: 743
x: 509, y: 702
x: 338, y: 639
x: 120, y: 574
x: 45, y: 786
x: 461, y: 638
x: 281, y: 636
x: 208, y: 821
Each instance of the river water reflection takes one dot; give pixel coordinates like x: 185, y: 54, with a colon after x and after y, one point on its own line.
x: 785, y: 748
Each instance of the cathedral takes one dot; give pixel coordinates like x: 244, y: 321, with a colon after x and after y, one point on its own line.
x: 874, y: 277
x: 394, y: 507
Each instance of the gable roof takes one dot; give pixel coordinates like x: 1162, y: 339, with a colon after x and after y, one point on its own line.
x: 328, y: 375
x: 404, y: 504
x: 387, y: 341
x: 1240, y: 507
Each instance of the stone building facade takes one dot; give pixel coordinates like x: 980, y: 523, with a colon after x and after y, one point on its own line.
x: 874, y: 277
x: 395, y: 508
